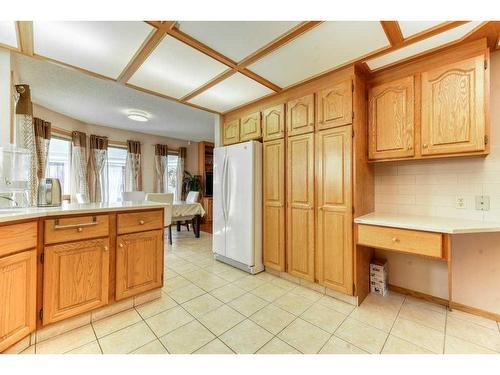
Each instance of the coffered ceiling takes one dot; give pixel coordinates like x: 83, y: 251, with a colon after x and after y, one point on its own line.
x: 220, y: 65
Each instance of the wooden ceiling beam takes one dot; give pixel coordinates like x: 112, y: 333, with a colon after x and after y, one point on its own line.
x: 25, y: 37
x: 393, y: 32
x: 489, y: 30
x: 259, y: 79
x: 221, y: 77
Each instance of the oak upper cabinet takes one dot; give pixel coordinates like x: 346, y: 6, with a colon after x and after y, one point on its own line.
x: 391, y: 122
x: 334, y: 252
x: 453, y: 108
x: 250, y: 127
x: 273, y: 122
x: 300, y: 115
x: 139, y: 263
x: 300, y: 206
x: 231, y: 132
x: 334, y: 105
x: 75, y: 278
x: 17, y: 297
x: 274, y: 204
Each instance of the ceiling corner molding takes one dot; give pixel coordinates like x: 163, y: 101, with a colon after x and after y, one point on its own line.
x: 25, y: 37
x: 393, y: 32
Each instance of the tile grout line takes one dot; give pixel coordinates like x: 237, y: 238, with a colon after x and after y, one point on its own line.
x: 95, y: 334
x: 393, y: 323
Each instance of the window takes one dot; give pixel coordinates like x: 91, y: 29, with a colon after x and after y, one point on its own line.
x: 172, y: 175
x: 117, y: 158
x: 59, y: 162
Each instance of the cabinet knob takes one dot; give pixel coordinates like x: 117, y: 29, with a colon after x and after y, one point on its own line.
x: 425, y: 145
x: 410, y: 147
x: 394, y: 239
x: 106, y: 248
x: 120, y: 245
x: 80, y: 229
x: 141, y: 222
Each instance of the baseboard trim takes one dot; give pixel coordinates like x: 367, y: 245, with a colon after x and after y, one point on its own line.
x: 475, y: 311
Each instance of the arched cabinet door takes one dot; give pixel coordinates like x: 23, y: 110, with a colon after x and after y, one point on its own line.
x: 334, y: 105
x: 391, y: 120
x: 250, y: 127
x: 453, y: 109
x: 273, y: 122
x: 231, y: 132
x: 300, y: 115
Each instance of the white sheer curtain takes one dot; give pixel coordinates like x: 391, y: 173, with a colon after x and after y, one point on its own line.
x: 180, y: 173
x: 79, y: 183
x: 133, y: 172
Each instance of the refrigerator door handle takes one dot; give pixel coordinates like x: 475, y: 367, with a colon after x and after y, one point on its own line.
x: 223, y: 188
x: 228, y: 195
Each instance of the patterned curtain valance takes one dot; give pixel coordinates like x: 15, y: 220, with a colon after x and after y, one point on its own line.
x: 79, y: 139
x: 42, y: 128
x: 161, y: 150
x: 134, y: 147
x: 98, y: 143
x: 24, y: 106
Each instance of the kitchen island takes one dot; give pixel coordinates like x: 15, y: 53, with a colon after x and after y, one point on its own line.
x: 76, y: 260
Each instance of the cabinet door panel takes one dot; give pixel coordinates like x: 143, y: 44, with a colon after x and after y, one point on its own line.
x: 273, y: 122
x: 334, y: 199
x: 300, y: 211
x: 75, y: 278
x: 231, y: 132
x: 250, y: 127
x: 391, y: 120
x: 300, y: 115
x: 274, y: 204
x: 17, y: 297
x: 139, y: 263
x: 335, y: 105
x: 453, y: 108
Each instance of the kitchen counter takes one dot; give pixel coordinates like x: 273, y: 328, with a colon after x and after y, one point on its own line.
x: 428, y: 223
x: 13, y: 214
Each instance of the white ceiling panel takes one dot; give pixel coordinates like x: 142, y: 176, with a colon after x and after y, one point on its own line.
x: 101, y: 47
x: 423, y: 46
x: 236, y: 39
x: 230, y: 93
x: 409, y: 28
x: 175, y: 69
x: 328, y: 45
x: 8, y: 33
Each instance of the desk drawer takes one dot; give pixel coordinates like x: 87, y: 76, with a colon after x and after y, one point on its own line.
x: 403, y: 240
x: 17, y: 237
x: 140, y: 221
x: 76, y: 228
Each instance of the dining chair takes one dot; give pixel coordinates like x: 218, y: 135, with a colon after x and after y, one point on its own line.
x: 192, y: 197
x: 135, y: 196
x: 164, y: 198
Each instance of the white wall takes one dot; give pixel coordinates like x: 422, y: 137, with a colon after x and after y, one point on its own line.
x: 431, y: 188
x: 4, y: 97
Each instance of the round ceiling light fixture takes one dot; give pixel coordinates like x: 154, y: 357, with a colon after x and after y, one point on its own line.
x: 138, y: 116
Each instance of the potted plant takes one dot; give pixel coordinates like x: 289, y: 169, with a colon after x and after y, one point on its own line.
x: 190, y: 183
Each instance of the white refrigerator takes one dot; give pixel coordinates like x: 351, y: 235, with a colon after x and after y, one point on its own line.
x: 237, y: 206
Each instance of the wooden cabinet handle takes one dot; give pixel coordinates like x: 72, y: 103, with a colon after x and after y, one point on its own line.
x: 106, y: 248
x: 80, y: 229
x: 394, y: 239
x: 141, y: 222
x: 120, y: 245
x: 425, y: 145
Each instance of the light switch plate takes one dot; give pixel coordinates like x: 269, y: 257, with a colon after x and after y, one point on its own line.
x: 483, y: 202
x: 460, y: 202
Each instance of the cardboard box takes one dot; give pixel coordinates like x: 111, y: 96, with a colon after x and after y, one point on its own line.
x: 379, y: 288
x: 380, y: 277
x: 378, y: 266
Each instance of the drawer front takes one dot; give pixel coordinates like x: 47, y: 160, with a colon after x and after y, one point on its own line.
x: 403, y: 240
x: 140, y: 221
x: 76, y: 228
x: 17, y: 237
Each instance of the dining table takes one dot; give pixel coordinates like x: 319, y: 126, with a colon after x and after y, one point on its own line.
x: 188, y: 211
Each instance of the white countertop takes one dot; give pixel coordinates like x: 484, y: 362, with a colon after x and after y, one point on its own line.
x: 428, y: 223
x: 73, y: 208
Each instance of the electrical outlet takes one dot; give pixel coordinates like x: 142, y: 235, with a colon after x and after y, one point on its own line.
x: 460, y: 202
x: 483, y: 202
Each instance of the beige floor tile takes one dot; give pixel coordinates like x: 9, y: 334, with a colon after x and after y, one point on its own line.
x: 62, y: 327
x: 293, y: 303
x: 175, y: 283
x: 220, y: 320
x: 395, y: 345
x: 227, y: 293
x: 19, y: 346
x: 116, y: 322
x: 277, y: 346
x: 338, y: 346
x: 67, y: 341
x: 269, y: 292
x: 150, y: 296
x: 183, y: 268
x: 90, y: 348
x: 427, y: 317
x: 218, y: 267
x: 266, y: 276
x: 273, y: 318
x: 187, y: 338
x: 337, y: 305
x: 154, y: 347
x: 487, y: 323
x: 409, y: 300
x: 249, y: 283
x: 214, y: 347
x: 169, y: 274
x: 474, y: 333
x: 362, y: 335
x: 304, y: 336
x: 29, y: 350
x: 232, y: 274
x: 307, y: 293
x: 419, y: 335
x: 454, y: 345
x: 127, y: 339
x: 211, y: 282
x: 248, y: 304
x: 169, y: 320
x: 149, y: 309
x: 284, y: 284
x: 323, y: 317
x: 197, y: 275
x: 376, y: 315
x: 186, y: 293
x: 201, y: 305
x: 246, y: 337
x: 391, y: 300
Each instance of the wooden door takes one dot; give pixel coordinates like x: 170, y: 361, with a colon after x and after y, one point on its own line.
x: 391, y: 122
x: 300, y: 206
x: 17, y: 297
x: 300, y: 115
x: 250, y: 127
x: 273, y: 122
x: 139, y: 263
x: 75, y: 278
x: 453, y: 108
x: 231, y: 132
x: 274, y: 204
x: 334, y: 105
x: 334, y: 214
